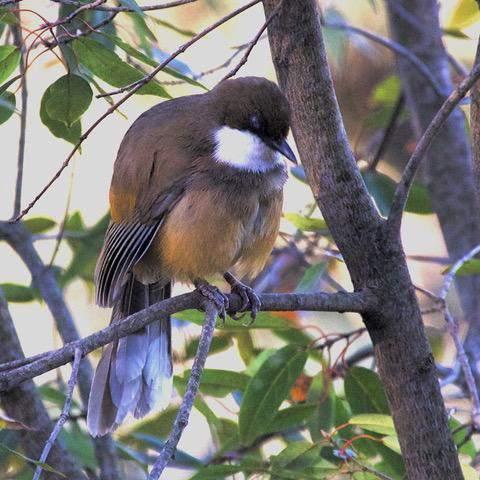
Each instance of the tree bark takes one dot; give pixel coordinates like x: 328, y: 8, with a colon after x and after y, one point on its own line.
x: 43, y: 278
x: 23, y: 403
x: 447, y: 169
x: 403, y: 355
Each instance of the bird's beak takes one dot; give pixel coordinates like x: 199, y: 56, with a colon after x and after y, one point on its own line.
x: 284, y: 148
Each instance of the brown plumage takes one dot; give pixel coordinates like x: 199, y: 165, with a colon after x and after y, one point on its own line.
x: 187, y: 202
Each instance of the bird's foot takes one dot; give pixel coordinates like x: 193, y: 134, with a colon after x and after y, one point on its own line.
x: 215, y: 295
x: 250, y: 300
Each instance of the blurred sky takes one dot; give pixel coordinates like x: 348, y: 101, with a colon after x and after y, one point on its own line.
x: 90, y: 172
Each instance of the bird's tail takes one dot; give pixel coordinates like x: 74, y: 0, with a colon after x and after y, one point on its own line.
x: 135, y: 373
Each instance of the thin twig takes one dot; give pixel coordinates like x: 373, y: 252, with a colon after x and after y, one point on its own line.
x: 391, y: 127
x: 403, y: 187
x: 339, y: 302
x: 254, y: 41
x: 181, y: 420
x: 453, y: 329
x: 161, y: 6
x: 63, y: 416
x: 134, y: 88
x: 394, y: 47
x: 18, y: 40
x: 82, y: 8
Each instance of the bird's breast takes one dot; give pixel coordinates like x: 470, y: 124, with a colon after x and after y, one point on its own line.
x: 212, y: 228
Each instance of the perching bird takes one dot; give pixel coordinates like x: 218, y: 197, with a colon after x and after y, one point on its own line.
x: 196, y: 190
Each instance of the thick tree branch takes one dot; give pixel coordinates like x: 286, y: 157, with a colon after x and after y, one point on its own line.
x: 132, y: 90
x: 181, y: 420
x: 447, y: 169
x: 332, y: 302
x: 403, y: 187
x: 24, y: 404
x: 374, y: 261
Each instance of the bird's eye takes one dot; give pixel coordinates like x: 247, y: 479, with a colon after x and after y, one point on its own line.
x: 255, y: 122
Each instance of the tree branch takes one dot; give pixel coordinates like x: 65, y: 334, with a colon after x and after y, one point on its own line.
x: 252, y: 44
x: 148, y: 8
x: 403, y: 187
x: 395, y: 47
x: 132, y: 89
x: 63, y: 416
x: 181, y: 420
x: 24, y: 404
x: 331, y: 302
x: 44, y: 279
x: 18, y: 40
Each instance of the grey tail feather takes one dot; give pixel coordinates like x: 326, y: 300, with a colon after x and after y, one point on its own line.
x: 134, y: 374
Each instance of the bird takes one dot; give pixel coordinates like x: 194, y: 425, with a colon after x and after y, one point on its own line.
x: 196, y: 191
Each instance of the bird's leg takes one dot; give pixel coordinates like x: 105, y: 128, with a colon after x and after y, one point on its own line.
x: 214, y: 294
x: 250, y: 300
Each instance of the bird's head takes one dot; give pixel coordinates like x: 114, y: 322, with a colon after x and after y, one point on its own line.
x: 254, y: 121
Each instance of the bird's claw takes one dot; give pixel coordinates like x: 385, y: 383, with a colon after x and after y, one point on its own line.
x: 215, y: 295
x: 250, y: 300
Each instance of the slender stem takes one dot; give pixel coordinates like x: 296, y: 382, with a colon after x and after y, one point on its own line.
x: 18, y: 40
x: 392, y: 125
x: 394, y: 47
x: 181, y: 420
x: 161, y: 6
x: 252, y: 44
x: 403, y: 187
x: 63, y: 416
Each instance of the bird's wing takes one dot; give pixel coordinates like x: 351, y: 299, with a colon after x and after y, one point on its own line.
x: 149, y: 178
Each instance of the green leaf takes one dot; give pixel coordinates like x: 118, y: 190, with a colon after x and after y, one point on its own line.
x: 7, y: 16
x: 9, y: 60
x: 267, y: 390
x: 392, y: 443
x: 311, y: 277
x: 364, y: 392
x: 464, y: 445
x: 85, y: 248
x: 58, y: 129
x: 79, y: 444
x: 470, y: 267
x: 263, y: 321
x: 217, y: 472
x: 70, y: 96
x: 45, y: 466
x: 291, y: 456
x: 133, y: 52
x: 374, y: 422
x: 7, y: 106
x: 159, y: 425
x: 324, y: 397
x: 306, y: 224
x: 39, y: 224
x: 465, y: 13
x: 17, y: 293
x: 219, y: 344
x: 219, y: 383
x: 382, y: 189
x: 55, y: 396
x: 109, y: 67
x: 133, y: 5
x: 171, y: 26
x: 291, y: 417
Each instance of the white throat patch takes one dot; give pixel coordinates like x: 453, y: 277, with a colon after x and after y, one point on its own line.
x: 244, y: 150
